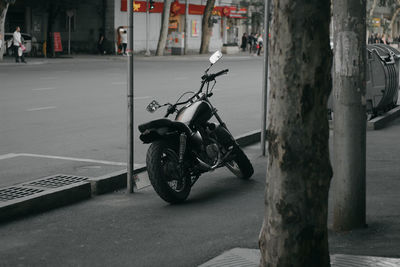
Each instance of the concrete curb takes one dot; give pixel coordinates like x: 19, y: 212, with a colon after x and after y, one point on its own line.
x: 58, y: 197
x: 381, y: 121
x: 109, y: 57
x: 46, y: 200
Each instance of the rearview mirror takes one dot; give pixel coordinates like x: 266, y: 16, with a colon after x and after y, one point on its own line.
x: 153, y: 106
x: 215, y: 57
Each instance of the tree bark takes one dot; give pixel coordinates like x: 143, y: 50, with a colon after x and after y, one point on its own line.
x: 371, y: 11
x: 205, y: 27
x: 3, y: 13
x: 394, y: 18
x: 294, y: 231
x: 349, y: 137
x: 162, y: 40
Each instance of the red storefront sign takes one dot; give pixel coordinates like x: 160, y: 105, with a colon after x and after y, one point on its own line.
x: 178, y: 8
x: 140, y: 6
x: 57, y: 42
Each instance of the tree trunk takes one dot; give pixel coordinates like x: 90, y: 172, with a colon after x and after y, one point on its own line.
x: 349, y: 137
x: 3, y: 13
x: 371, y: 11
x: 394, y: 18
x: 205, y: 27
x: 294, y: 231
x: 162, y: 40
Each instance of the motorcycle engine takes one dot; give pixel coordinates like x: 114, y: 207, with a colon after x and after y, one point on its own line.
x: 212, y: 152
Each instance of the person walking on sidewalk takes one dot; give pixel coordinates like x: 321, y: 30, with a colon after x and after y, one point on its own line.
x: 250, y: 40
x: 124, y: 40
x: 244, y: 42
x: 100, y: 44
x: 17, y: 42
x: 260, y: 42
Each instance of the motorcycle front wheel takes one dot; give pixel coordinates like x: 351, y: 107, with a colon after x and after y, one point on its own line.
x: 240, y: 165
x: 164, y: 173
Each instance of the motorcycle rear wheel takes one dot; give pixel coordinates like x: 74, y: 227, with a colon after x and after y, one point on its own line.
x: 162, y: 167
x: 240, y: 165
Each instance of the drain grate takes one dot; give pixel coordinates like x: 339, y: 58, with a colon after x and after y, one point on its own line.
x: 57, y: 181
x: 14, y: 192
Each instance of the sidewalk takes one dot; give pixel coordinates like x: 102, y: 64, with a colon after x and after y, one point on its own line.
x: 7, y: 60
x: 221, y: 213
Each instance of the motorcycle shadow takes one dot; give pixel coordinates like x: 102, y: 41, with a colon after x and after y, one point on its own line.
x: 221, y: 188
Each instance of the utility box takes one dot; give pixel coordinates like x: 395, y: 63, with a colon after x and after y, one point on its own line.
x: 382, y: 80
x: 178, y: 43
x: 383, y: 62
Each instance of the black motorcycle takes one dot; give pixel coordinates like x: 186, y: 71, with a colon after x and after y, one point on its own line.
x: 184, y: 148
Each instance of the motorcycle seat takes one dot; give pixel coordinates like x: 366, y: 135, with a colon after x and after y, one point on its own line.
x: 164, y: 123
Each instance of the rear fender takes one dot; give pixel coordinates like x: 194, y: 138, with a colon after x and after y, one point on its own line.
x: 162, y: 133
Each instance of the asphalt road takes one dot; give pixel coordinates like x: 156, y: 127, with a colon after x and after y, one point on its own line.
x: 69, y: 116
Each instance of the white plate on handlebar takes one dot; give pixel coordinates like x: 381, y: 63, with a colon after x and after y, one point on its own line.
x: 215, y: 57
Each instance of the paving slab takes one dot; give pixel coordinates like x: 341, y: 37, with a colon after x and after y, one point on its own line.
x: 242, y: 257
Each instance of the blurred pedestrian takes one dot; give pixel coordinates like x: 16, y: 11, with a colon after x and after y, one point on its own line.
x: 124, y: 40
x: 100, y: 44
x: 260, y: 43
x: 250, y: 41
x: 254, y: 48
x: 18, y: 46
x: 244, y: 42
x: 1, y: 42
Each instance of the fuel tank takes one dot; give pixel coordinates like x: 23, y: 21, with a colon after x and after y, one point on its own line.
x: 196, y: 113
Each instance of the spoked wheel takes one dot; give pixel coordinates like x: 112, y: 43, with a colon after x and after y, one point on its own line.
x: 240, y: 165
x: 165, y: 175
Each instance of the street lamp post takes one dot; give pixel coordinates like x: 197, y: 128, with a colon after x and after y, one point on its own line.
x: 147, y: 27
x: 186, y: 27
x: 130, y: 165
x: 265, y: 78
x: 70, y: 14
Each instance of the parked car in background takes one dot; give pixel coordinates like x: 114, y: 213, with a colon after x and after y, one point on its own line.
x: 8, y: 40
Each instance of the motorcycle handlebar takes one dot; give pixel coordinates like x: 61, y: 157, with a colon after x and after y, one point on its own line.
x: 221, y: 72
x: 206, y: 78
x: 210, y: 77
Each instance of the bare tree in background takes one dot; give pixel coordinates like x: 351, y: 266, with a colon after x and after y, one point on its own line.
x: 162, y: 40
x: 3, y: 12
x: 294, y: 231
x: 206, y: 27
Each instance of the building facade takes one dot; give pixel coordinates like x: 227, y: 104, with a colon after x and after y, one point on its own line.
x: 80, y: 23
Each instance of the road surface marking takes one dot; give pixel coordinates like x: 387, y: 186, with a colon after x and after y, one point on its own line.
x: 181, y: 78
x: 119, y: 83
x: 141, y: 97
x: 105, y: 162
x: 43, y: 89
x: 8, y: 156
x: 41, y: 108
x: 48, y: 78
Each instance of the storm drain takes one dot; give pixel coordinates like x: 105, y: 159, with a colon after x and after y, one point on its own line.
x: 14, y: 192
x: 57, y: 181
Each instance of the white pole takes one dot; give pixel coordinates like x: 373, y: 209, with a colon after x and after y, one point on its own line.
x: 69, y: 35
x: 265, y: 79
x: 147, y: 28
x: 186, y: 26
x: 130, y: 180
